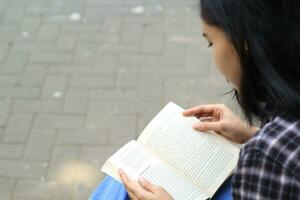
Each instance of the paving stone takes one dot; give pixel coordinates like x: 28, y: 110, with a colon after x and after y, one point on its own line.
x: 66, y: 42
x: 65, y: 28
x: 123, y: 129
x: 76, y: 101
x: 110, y: 37
x: 48, y: 33
x: 150, y: 88
x: 5, y: 106
x: 153, y: 41
x: 63, y: 158
x: 133, y: 32
x: 96, y: 155
x: 85, y: 137
x: 22, y: 169
x: 13, y: 15
x: 127, y: 77
x: 181, y: 97
x: 36, y: 7
x: 174, y: 54
x: 11, y: 151
x: 22, y: 92
x: 112, y: 47
x: 4, y: 51
x: 9, y: 80
x: 186, y: 82
x: 106, y: 64
x: 18, y: 127
x: 38, y: 106
x: 92, y: 81
x: 85, y: 53
x: 58, y: 121
x: 124, y: 107
x: 1, y: 134
x: 15, y: 62
x: 94, y: 158
x: 148, y: 107
x: 98, y: 121
x: 6, y: 188
x: 34, y: 75
x: 8, y: 32
x: 30, y: 24
x: 54, y: 87
x: 112, y: 24
x: 71, y: 70
x: 37, y: 150
x: 30, y: 46
x: 51, y: 57
x: 99, y: 116
x: 165, y: 70
x: 141, y: 59
x: 90, y: 38
x: 43, y: 190
x: 111, y: 94
x: 103, y: 107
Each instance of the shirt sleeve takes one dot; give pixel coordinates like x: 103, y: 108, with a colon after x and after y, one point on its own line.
x: 260, y: 177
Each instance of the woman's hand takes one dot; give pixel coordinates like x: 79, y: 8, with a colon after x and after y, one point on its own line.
x: 222, y: 120
x: 143, y: 190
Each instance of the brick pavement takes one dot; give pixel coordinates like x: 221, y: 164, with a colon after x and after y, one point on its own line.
x: 79, y: 78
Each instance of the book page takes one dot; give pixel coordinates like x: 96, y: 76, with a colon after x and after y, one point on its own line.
x: 206, y: 159
x: 137, y: 161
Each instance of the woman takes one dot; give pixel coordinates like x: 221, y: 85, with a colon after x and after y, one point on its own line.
x: 256, y: 46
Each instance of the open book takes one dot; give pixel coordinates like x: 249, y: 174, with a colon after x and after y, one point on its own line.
x: 170, y: 153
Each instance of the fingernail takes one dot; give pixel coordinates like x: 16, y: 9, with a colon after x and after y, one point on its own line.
x: 121, y: 171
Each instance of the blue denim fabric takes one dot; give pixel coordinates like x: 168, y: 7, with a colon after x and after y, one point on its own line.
x: 110, y: 189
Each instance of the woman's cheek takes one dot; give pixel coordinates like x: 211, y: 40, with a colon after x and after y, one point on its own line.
x: 220, y: 62
x: 227, y: 62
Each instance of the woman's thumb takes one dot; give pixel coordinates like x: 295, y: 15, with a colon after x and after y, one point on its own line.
x: 208, y: 126
x: 147, y: 185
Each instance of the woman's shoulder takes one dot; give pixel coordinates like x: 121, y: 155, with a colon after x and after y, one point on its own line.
x: 278, y: 140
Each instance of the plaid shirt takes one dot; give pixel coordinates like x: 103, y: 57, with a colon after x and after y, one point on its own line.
x: 269, y: 163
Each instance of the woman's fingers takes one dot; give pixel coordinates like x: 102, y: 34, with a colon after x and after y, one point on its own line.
x: 133, y: 188
x: 147, y: 185
x: 130, y: 186
x: 203, y: 115
x: 205, y: 119
x: 208, y: 126
x: 200, y: 111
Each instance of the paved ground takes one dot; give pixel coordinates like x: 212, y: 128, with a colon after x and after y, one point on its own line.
x: 79, y: 78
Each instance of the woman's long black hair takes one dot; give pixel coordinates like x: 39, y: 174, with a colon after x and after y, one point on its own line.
x: 270, y: 29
